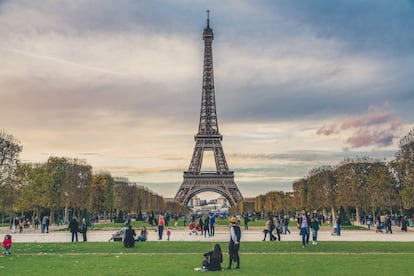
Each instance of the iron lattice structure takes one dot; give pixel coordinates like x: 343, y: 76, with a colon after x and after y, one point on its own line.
x: 208, y: 138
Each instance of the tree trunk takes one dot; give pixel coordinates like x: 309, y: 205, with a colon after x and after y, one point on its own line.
x: 333, y: 214
x: 52, y: 217
x: 358, y: 216
x: 66, y: 214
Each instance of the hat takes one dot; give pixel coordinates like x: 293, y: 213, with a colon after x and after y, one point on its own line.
x: 233, y: 220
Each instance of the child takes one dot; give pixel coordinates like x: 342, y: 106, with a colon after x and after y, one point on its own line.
x: 7, y: 244
x: 168, y: 234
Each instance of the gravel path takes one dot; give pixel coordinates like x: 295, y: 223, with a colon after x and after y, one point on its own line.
x: 222, y: 234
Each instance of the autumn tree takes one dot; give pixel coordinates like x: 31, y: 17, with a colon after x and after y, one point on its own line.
x: 76, y: 188
x: 403, y: 170
x: 300, y: 194
x: 10, y: 149
x: 321, y: 188
x: 100, y: 199
x: 34, y: 187
x: 259, y: 203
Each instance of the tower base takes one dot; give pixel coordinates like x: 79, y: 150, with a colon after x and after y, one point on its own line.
x: 194, y: 184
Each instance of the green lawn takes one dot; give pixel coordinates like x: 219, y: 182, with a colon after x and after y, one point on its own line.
x: 180, y: 258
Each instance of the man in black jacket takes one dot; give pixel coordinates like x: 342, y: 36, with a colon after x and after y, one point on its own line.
x: 74, y: 228
x: 234, y: 243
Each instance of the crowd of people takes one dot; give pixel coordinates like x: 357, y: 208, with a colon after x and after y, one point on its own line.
x: 308, y: 224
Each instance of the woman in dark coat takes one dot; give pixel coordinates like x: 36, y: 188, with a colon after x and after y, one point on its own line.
x: 129, y: 240
x: 206, y: 228
x: 84, y: 229
x: 74, y: 228
x: 215, y: 258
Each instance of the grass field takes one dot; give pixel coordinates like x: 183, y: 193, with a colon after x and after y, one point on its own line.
x: 180, y: 258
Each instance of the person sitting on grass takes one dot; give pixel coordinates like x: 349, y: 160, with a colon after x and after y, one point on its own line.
x: 7, y: 244
x: 143, y: 236
x: 213, y: 259
x: 129, y: 240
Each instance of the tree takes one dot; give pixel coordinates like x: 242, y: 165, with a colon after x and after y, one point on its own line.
x: 76, y: 190
x: 33, y: 184
x: 322, y: 188
x: 403, y: 170
x: 101, y: 194
x: 300, y: 193
x: 10, y: 150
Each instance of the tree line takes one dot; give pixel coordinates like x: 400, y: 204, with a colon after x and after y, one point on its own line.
x: 362, y: 186
x: 64, y: 187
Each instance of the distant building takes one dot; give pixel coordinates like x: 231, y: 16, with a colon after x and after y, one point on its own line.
x: 195, y: 202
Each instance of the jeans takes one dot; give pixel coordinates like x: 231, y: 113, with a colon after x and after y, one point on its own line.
x: 305, y: 235
x: 314, y: 235
x: 160, y: 230
x: 74, y: 236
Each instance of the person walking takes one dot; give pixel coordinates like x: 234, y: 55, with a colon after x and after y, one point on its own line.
x: 234, y: 243
x: 246, y: 221
x: 286, y: 224
x: 212, y: 224
x: 314, y: 225
x: 303, y: 224
x: 206, y: 227
x: 267, y: 229
x: 161, y: 224
x: 74, y: 228
x: 278, y: 228
x: 388, y: 225
x: 338, y: 225
x: 404, y: 223
x: 84, y: 229
x: 272, y: 229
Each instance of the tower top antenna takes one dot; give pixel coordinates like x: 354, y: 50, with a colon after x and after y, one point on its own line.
x: 208, y: 18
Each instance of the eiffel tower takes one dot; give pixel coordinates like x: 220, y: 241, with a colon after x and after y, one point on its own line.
x: 208, y: 138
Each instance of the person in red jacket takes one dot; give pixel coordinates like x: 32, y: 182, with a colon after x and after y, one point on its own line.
x: 7, y: 244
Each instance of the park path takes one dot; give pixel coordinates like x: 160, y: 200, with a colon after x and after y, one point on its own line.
x: 222, y: 235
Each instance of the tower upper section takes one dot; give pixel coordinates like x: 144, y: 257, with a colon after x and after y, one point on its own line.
x: 208, y: 117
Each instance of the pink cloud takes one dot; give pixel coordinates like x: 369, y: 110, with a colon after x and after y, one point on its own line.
x: 395, y: 124
x: 367, y: 137
x: 370, y: 129
x: 373, y: 117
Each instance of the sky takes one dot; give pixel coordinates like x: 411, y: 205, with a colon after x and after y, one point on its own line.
x: 299, y: 84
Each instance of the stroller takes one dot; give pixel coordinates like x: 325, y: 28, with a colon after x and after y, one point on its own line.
x: 119, y: 235
x: 193, y: 228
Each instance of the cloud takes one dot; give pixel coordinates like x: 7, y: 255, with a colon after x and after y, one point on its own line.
x: 375, y: 116
x: 327, y: 130
x: 371, y: 129
x: 368, y: 137
x: 120, y: 83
